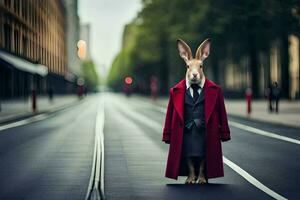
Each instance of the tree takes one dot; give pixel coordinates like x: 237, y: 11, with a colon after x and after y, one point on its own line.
x: 240, y: 30
x: 89, y: 74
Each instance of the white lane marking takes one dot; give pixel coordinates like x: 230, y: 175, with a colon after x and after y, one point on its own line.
x: 101, y: 148
x: 158, y: 127
x: 243, y: 127
x: 141, y: 118
x: 252, y: 180
x: 24, y: 122
x: 264, y: 133
x: 97, y: 173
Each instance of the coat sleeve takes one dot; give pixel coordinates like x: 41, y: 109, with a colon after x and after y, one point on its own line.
x: 168, y: 121
x: 224, y: 128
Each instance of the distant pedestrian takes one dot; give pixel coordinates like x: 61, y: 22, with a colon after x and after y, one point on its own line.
x: 248, y: 95
x: 269, y: 95
x: 50, y: 94
x: 276, y: 95
x: 85, y: 91
x: 127, y: 90
x: 154, y: 87
x: 80, y: 91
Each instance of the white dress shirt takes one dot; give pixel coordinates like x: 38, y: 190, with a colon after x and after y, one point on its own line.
x: 189, y: 88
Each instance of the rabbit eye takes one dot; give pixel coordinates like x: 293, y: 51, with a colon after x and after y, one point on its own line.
x: 187, y: 66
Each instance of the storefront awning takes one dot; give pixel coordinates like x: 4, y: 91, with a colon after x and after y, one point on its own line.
x: 23, y: 64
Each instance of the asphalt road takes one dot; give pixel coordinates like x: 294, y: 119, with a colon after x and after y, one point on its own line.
x: 135, y: 158
x: 51, y: 158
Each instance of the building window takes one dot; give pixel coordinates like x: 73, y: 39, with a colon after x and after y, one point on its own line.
x: 25, y: 44
x: 17, y: 41
x: 24, y: 10
x: 1, y: 32
x: 17, y: 7
x: 7, y: 37
x: 7, y: 3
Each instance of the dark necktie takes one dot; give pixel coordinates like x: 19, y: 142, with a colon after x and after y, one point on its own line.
x: 195, y: 91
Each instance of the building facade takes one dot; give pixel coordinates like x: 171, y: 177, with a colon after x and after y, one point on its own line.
x: 33, y: 34
x: 73, y: 25
x: 236, y: 77
x: 85, y: 30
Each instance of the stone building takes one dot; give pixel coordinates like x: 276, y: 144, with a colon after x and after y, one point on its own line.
x: 33, y: 48
x: 85, y: 35
x: 73, y: 36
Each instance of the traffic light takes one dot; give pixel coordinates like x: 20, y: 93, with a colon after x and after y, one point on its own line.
x: 128, y: 80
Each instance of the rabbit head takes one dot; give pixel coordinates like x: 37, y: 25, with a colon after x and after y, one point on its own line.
x: 194, y: 72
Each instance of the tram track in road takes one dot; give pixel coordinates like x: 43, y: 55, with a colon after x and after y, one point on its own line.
x: 50, y: 156
x: 95, y: 188
x: 96, y: 184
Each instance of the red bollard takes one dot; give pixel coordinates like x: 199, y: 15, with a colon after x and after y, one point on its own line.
x: 80, y: 91
x: 153, y: 87
x: 33, y: 101
x: 248, y: 95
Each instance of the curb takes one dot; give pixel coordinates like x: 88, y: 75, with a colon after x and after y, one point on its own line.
x: 263, y: 121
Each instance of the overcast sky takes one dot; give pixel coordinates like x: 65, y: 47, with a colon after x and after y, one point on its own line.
x: 107, y: 19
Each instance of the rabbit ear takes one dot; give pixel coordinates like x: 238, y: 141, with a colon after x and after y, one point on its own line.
x: 184, y: 50
x: 203, y: 50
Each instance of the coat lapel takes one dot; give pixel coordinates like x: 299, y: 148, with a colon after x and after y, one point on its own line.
x: 179, y: 93
x: 210, y: 93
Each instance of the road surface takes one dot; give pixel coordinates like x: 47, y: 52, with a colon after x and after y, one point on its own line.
x: 51, y: 157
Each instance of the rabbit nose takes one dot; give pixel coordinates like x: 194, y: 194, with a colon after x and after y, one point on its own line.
x: 195, y: 74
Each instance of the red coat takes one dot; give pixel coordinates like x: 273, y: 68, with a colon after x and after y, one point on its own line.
x: 217, y: 130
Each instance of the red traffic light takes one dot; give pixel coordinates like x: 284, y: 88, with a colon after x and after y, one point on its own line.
x: 128, y: 80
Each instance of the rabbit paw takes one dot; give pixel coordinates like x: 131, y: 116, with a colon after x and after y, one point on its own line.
x: 201, y: 180
x: 190, y: 180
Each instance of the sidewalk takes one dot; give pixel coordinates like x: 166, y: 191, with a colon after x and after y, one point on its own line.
x: 289, y: 111
x: 15, y: 109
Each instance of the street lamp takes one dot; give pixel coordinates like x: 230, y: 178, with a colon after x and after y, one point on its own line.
x: 81, y: 49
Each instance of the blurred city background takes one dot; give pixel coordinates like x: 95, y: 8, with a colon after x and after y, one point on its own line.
x: 255, y: 43
x: 41, y: 49
x: 60, y: 60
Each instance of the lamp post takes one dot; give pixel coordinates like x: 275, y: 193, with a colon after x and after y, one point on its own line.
x: 81, y: 53
x: 81, y: 49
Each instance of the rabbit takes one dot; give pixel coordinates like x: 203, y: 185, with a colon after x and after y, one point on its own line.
x: 194, y: 75
x: 195, y: 125
x: 194, y: 72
